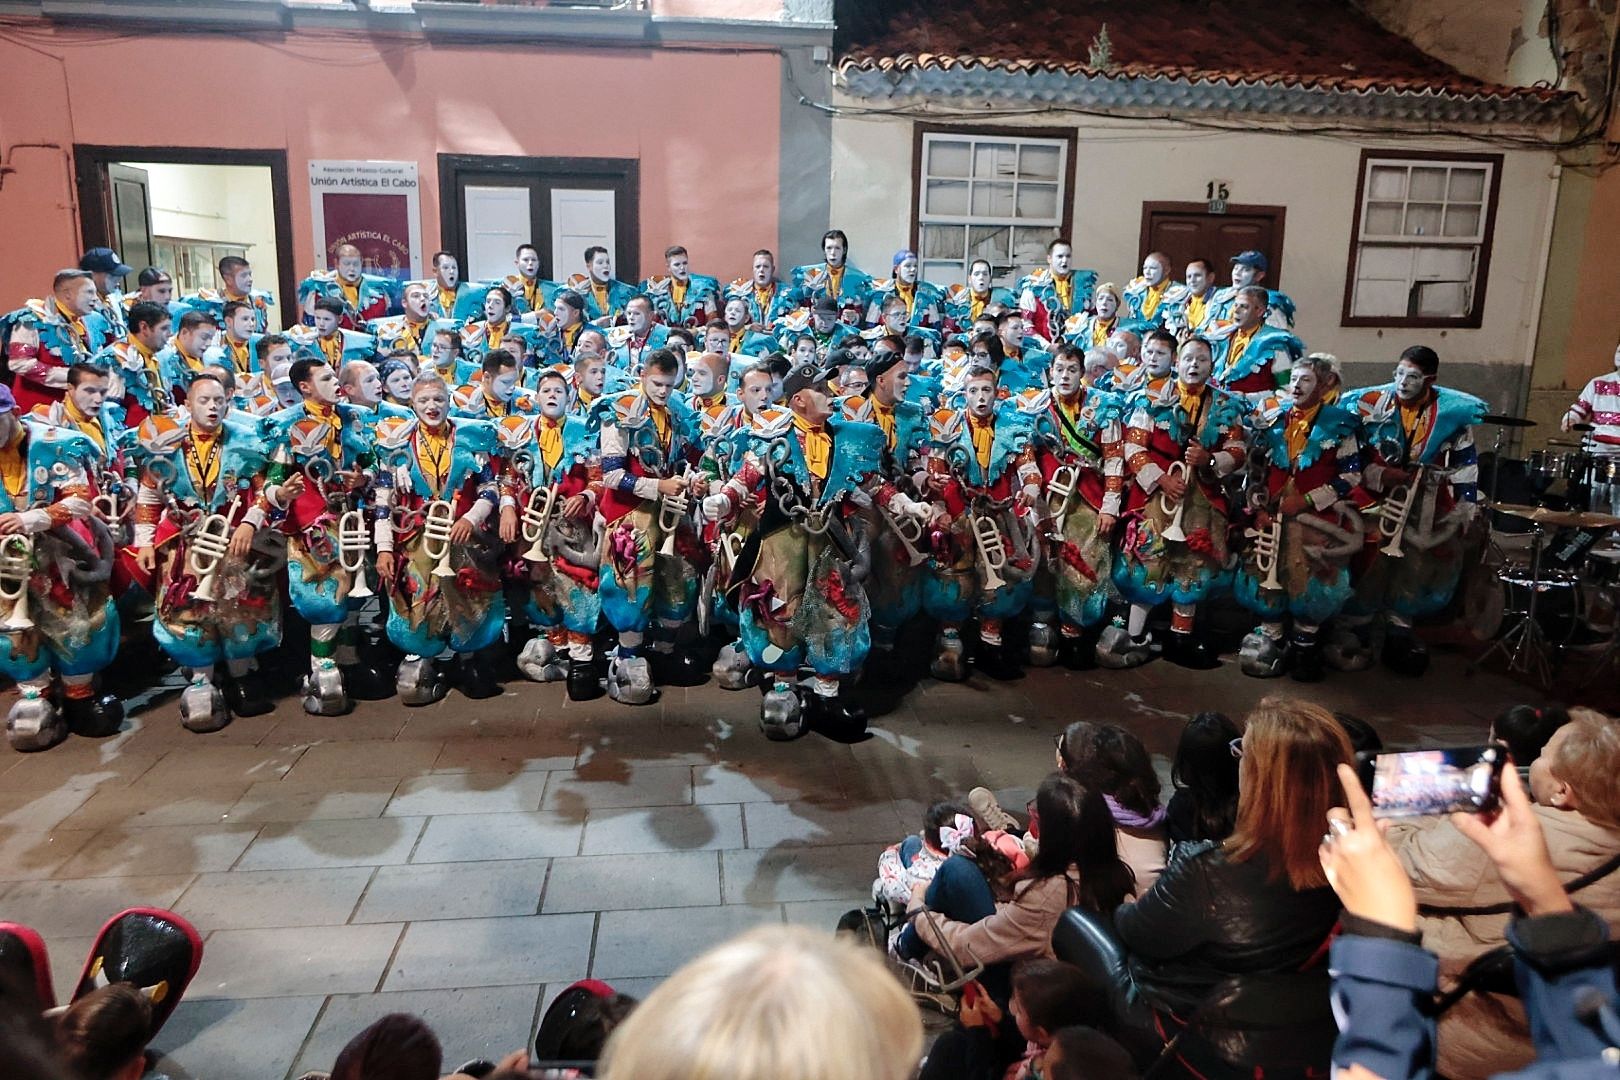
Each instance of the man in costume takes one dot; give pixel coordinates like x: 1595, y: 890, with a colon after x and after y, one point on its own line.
x: 200, y: 519
x: 415, y: 328
x: 765, y: 298
x: 984, y: 484
x: 233, y: 348
x: 496, y: 330
x: 548, y: 509
x: 820, y: 324
x: 154, y: 285
x: 743, y: 336
x: 1177, y: 452
x: 1302, y: 484
x: 1419, y: 458
x: 568, y: 323
x: 328, y: 339
x: 682, y: 298
x: 1599, y: 405
x: 1155, y: 374
x: 44, y: 338
x: 832, y: 278
x: 266, y: 390
x: 361, y: 296
x: 331, y: 444
x: 180, y: 361
x: 527, y: 291
x: 446, y: 288
x: 963, y: 304
x: 605, y: 296
x: 137, y: 380
x: 1054, y: 292
x: 438, y: 555
x: 108, y: 271
x: 1145, y: 295
x: 497, y: 392
x: 1252, y: 357
x: 924, y: 302
x: 1249, y: 268
x: 1091, y: 330
x: 236, y: 284
x: 638, y: 337
x: 56, y: 558
x: 1188, y: 305
x: 650, y: 552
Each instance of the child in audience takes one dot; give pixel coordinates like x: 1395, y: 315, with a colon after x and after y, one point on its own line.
x: 1526, y: 729
x: 1083, y: 1053
x: 1049, y: 995
x: 913, y: 860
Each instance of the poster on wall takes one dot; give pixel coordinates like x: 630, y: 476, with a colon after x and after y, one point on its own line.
x: 374, y: 205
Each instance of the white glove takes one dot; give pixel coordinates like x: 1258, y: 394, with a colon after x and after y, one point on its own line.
x: 34, y: 521
x: 716, y: 507
x: 905, y: 506
x: 79, y: 508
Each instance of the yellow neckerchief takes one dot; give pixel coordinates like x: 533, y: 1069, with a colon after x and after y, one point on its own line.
x: 551, y: 442
x: 532, y: 294
x: 835, y: 280
x: 677, y: 293
x: 148, y: 358
x: 1415, y: 423
x: 1155, y: 293
x: 763, y: 298
x: 75, y: 324
x: 1192, y: 404
x: 976, y: 304
x: 351, y: 293
x: 1065, y: 290
x: 1238, y: 344
x: 328, y: 415
x: 241, y: 355
x: 447, y: 300
x: 736, y: 338
x: 983, y: 433
x: 570, y: 333
x: 660, y: 419
x: 412, y: 337
x: 601, y: 294
x: 1195, y: 312
x: 1298, y: 430
x: 14, y: 467
x: 1101, y: 328
x: 908, y: 293
x: 1070, y: 409
x: 708, y: 401
x: 495, y: 333
x: 585, y: 397
x: 89, y: 425
x: 202, y: 459
x: 433, y: 454
x: 495, y: 407
x: 817, y: 446
x: 883, y: 416
x: 332, y: 348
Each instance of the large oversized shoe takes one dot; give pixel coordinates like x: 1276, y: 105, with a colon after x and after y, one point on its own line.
x: 950, y: 658
x: 1307, y: 663
x: 629, y: 681
x: 367, y: 682
x: 781, y: 716
x: 1345, y: 650
x: 420, y: 682
x: 675, y: 667
x: 33, y: 723
x: 1078, y: 652
x: 1262, y: 656
x: 1043, y: 644
x: 584, y: 680
x: 540, y: 662
x: 1189, y: 651
x: 835, y: 718
x: 478, y: 679
x: 202, y: 708
x: 323, y: 691
x: 1403, y: 653
x: 1116, y: 651
x: 94, y: 717
x: 997, y: 661
x: 25, y: 969
x: 246, y: 695
x: 732, y: 671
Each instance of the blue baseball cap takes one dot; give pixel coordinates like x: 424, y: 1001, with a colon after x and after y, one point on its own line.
x: 104, y: 260
x: 1253, y: 259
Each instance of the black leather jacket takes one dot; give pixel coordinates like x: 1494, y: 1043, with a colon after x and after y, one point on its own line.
x: 1208, y: 918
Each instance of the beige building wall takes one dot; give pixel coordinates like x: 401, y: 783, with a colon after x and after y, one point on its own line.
x: 1122, y: 164
x: 225, y: 203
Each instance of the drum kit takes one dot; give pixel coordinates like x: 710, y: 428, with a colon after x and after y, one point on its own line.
x: 1549, y: 574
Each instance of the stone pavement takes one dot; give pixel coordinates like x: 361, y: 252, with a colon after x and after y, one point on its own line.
x: 467, y: 860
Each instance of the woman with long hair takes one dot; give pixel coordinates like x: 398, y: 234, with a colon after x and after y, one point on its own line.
x: 1116, y: 763
x: 1205, y: 776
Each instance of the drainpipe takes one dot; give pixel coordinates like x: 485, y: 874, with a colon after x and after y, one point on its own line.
x: 1542, y: 260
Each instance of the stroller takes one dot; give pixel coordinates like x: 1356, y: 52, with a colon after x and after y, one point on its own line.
x: 937, y: 982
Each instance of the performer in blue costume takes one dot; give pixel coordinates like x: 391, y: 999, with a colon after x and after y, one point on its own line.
x: 1145, y: 296
x: 638, y: 337
x: 1252, y: 357
x: 327, y: 339
x: 766, y: 298
x: 1050, y: 295
x: 415, y: 328
x: 236, y: 285
x: 46, y: 337
x: 1250, y: 268
x: 963, y: 304
x: 362, y: 296
x: 186, y: 354
x: 832, y: 278
x: 924, y: 301
x: 605, y: 296
x: 528, y: 291
x: 682, y: 298
x: 446, y: 288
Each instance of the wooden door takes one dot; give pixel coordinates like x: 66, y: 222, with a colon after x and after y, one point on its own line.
x: 132, y: 216
x: 1188, y: 231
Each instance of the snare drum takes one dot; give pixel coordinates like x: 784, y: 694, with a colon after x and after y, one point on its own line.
x: 1495, y: 603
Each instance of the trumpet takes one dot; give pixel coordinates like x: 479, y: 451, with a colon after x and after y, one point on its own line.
x: 910, y: 532
x: 1064, y: 480
x: 992, y: 551
x: 730, y: 550
x: 1267, y: 543
x: 537, y: 512
x: 671, y: 512
x: 436, y: 524
x: 205, y: 550
x: 354, y: 543
x: 16, y: 565
x: 1173, y: 530
x: 1394, y: 513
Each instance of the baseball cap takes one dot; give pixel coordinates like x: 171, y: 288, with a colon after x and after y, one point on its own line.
x: 1254, y: 259
x: 801, y: 378
x: 104, y: 260
x: 825, y: 305
x: 7, y: 402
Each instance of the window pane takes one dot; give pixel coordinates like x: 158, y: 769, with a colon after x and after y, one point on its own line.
x: 943, y: 241
x: 995, y: 160
x: 1037, y: 201
x: 1029, y: 245
x: 1039, y: 162
x: 1383, y: 219
x: 946, y: 158
x: 992, y: 200
x: 1442, y: 300
x: 1443, y: 264
x: 946, y: 198
x: 1385, y: 264
x: 1467, y: 185
x: 1388, y: 182
x: 1422, y: 219
x: 989, y: 242
x: 1427, y: 183
x: 943, y: 273
x: 1379, y: 298
x: 1462, y: 221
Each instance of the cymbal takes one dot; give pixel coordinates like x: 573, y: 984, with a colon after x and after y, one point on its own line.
x: 1503, y: 420
x: 1565, y: 442
x: 1581, y: 427
x: 1571, y: 519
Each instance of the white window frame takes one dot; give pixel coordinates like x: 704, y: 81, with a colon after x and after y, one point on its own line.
x: 1414, y: 246
x: 972, y: 139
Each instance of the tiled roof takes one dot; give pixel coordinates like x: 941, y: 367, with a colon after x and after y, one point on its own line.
x: 1030, y: 48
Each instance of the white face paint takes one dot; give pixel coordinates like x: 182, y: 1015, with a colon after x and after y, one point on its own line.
x: 416, y: 304
x: 196, y: 342
x: 1060, y: 258
x: 1012, y: 332
x: 898, y: 380
x: 679, y: 267
x: 1246, y: 312
x: 1197, y: 278
x: 658, y: 385
x: 349, y: 268
x: 832, y: 249
x: 495, y: 307
x: 1154, y: 271
x: 894, y: 320
x: 325, y: 322
x: 1107, y: 305
x: 89, y: 395
x: 1242, y: 275
x: 504, y: 386
x: 448, y: 272
x: 161, y: 293
x: 736, y: 314
x: 1120, y: 345
x: 323, y: 384
x: 701, y: 380
x: 764, y: 270
x: 1157, y: 357
x: 1194, y: 364
x: 757, y: 392
x: 804, y: 352
x: 80, y: 296
x: 637, y: 318
x: 602, y: 268
x: 242, y: 325
x: 907, y: 270
x: 1410, y: 382
x: 443, y: 351
x: 777, y: 387
x: 553, y: 398
x: 431, y: 404
x: 592, y: 376
x: 399, y: 384
x: 242, y: 281
x: 1065, y: 375
x: 981, y: 397
x: 281, y: 356
x: 590, y: 343
x: 206, y: 403
x: 367, y: 389
x: 1303, y: 384
x: 979, y: 278
x: 528, y: 264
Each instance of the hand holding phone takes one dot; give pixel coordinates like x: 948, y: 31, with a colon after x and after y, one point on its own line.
x: 1419, y: 783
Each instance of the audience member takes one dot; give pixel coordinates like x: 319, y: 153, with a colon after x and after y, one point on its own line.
x: 103, y: 1035
x: 1466, y: 906
x: 1205, y: 776
x: 778, y: 1003
x: 1114, y: 761
x: 1364, y: 738
x: 397, y: 1047
x: 1084, y: 1053
x: 579, y: 1021
x: 1047, y: 996
x: 914, y: 860
x: 1525, y: 729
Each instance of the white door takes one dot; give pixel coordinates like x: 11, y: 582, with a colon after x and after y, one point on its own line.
x: 497, y: 222
x: 580, y: 218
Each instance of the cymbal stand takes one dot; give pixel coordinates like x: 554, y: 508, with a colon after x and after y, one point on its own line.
x: 1496, y: 462
x: 1525, y: 646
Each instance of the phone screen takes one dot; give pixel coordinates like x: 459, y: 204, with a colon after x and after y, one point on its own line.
x: 1423, y: 782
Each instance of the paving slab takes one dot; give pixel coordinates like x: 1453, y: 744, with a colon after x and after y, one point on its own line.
x: 454, y: 890
x: 254, y: 899
x: 483, y: 1022
x: 277, y: 963
x: 492, y: 952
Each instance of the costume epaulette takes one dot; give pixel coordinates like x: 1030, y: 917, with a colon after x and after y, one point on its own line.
x: 740, y: 285
x: 1032, y: 399
x: 37, y: 308
x: 473, y: 333
x: 475, y: 435
x: 657, y: 285
x: 1038, y: 277
x: 160, y: 433
x: 771, y: 423
x: 308, y: 435
x: 516, y: 432
x: 466, y: 396
x: 617, y: 336
x: 857, y: 407
x: 946, y: 424
x: 394, y: 432
x: 580, y: 283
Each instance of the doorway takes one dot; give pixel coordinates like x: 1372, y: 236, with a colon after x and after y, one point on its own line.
x: 1188, y: 231
x: 185, y: 209
x: 489, y: 205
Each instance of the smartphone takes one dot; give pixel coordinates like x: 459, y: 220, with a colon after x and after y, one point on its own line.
x: 1423, y: 782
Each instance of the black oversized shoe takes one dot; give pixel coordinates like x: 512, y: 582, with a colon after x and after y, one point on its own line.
x: 1189, y: 651
x: 677, y: 667
x: 835, y: 718
x: 1307, y: 664
x: 477, y: 677
x: 93, y: 717
x: 366, y: 682
x: 998, y: 662
x: 245, y: 695
x: 1404, y: 654
x: 584, y: 680
x: 1079, y: 653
